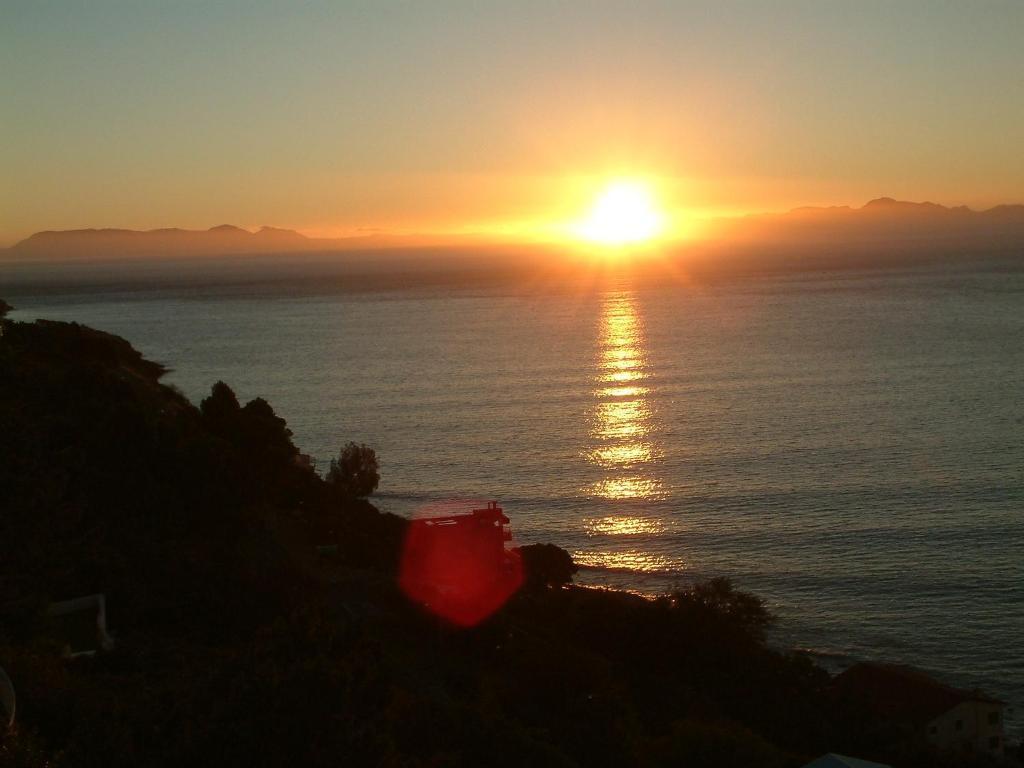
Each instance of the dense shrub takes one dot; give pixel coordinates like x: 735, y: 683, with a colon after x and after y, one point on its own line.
x: 355, y: 473
x: 546, y: 565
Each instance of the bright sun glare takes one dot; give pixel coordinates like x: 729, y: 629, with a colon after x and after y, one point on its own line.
x: 624, y: 213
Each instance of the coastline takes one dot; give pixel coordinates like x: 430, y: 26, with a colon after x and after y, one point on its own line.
x: 725, y: 665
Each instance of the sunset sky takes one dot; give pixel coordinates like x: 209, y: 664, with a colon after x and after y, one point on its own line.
x: 341, y: 118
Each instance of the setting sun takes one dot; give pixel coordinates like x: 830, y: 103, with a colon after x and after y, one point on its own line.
x: 625, y: 212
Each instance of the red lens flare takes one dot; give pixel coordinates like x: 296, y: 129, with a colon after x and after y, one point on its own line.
x: 455, y: 564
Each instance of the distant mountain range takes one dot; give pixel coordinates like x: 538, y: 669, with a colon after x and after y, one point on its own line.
x: 880, y: 225
x: 221, y: 240
x: 75, y: 243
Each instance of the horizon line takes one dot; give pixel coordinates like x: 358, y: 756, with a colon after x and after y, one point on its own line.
x: 368, y: 233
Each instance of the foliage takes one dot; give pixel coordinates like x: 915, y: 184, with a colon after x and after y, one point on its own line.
x: 235, y: 647
x: 697, y: 744
x: 21, y: 749
x: 355, y: 473
x: 717, y: 602
x: 221, y: 409
x: 546, y: 565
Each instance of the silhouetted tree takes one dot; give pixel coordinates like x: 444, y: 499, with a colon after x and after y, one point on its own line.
x: 4, y: 308
x: 547, y: 565
x: 260, y: 438
x: 220, y: 409
x: 355, y: 472
x: 265, y: 430
x: 716, y: 601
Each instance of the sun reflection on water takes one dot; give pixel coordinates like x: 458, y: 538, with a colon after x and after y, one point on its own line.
x: 613, y: 525
x: 622, y: 455
x: 622, y: 376
x: 622, y: 416
x: 619, y: 419
x: 622, y: 391
x: 622, y: 488
x: 633, y: 560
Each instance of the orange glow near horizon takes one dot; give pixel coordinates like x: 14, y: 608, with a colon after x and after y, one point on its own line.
x: 624, y: 213
x: 719, y: 113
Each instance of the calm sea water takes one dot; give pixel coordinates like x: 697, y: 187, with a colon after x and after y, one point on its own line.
x: 849, y: 446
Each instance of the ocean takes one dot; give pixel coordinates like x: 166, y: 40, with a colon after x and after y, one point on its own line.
x: 847, y: 445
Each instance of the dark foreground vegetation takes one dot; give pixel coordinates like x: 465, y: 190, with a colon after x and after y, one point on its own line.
x: 257, y: 620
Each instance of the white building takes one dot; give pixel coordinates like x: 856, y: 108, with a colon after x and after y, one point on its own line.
x: 925, y: 710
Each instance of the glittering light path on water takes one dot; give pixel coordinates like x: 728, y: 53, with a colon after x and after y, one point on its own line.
x: 623, y: 443
x: 621, y: 420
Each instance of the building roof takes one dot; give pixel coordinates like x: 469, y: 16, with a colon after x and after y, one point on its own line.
x: 904, y: 693
x: 832, y: 760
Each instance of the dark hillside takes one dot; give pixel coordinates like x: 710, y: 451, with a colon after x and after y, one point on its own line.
x: 240, y: 641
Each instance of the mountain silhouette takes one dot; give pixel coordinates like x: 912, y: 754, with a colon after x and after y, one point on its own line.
x: 880, y: 226
x: 222, y: 239
x: 882, y: 223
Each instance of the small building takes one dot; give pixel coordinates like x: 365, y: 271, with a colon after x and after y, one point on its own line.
x: 452, y: 551
x: 457, y: 565
x: 925, y: 710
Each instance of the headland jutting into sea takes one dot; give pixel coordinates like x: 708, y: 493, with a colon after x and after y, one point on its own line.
x: 257, y: 615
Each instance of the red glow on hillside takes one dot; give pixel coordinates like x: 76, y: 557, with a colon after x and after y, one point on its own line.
x: 456, y: 565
